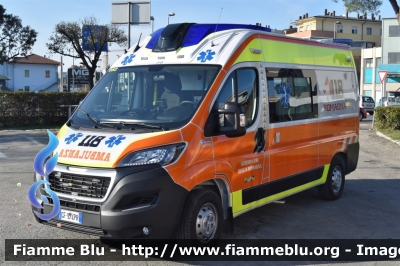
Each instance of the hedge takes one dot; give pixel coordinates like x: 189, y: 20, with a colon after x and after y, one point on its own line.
x: 31, y: 109
x: 387, y: 117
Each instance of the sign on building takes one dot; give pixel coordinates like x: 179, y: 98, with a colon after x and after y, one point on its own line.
x: 78, y: 77
x: 93, y: 37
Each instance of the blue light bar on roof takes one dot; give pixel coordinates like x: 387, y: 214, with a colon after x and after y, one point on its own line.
x: 154, y: 38
x: 197, y: 32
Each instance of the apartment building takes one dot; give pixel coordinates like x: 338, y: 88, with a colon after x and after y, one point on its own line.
x: 386, y: 58
x: 359, y: 32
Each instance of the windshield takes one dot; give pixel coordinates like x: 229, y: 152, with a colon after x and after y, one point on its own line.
x: 157, y: 96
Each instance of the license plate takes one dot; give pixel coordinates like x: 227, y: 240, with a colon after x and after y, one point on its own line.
x: 70, y: 216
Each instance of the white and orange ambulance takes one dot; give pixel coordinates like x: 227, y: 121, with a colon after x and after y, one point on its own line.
x: 203, y: 123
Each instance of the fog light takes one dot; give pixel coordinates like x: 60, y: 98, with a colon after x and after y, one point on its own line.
x: 146, y: 230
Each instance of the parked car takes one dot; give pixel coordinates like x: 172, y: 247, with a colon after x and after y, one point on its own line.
x: 363, y: 113
x: 389, y: 101
x: 368, y: 104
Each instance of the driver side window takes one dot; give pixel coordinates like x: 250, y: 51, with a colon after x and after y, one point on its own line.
x: 242, y: 87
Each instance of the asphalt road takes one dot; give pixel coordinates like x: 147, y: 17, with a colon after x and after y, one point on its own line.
x: 368, y: 209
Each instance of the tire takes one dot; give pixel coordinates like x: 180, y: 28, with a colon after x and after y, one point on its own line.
x: 361, y: 116
x: 371, y: 113
x: 334, y: 185
x: 202, y: 219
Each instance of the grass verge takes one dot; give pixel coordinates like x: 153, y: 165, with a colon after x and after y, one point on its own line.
x: 392, y: 133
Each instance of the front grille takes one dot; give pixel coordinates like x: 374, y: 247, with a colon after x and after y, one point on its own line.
x: 77, y: 205
x: 79, y: 185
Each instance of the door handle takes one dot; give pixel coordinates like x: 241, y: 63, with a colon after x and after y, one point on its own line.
x: 259, y: 140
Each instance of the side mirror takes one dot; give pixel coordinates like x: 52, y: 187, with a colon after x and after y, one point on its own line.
x: 232, y: 121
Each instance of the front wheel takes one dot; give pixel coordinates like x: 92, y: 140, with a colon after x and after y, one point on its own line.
x: 202, y: 219
x: 334, y: 185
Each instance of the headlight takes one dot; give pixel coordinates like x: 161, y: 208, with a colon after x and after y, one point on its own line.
x: 161, y: 155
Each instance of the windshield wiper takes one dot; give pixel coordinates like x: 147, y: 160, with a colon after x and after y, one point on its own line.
x: 94, y: 120
x: 123, y: 123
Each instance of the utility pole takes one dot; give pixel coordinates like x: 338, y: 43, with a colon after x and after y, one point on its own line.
x: 61, y: 76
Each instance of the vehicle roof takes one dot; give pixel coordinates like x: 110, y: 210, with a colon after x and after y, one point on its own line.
x: 179, y: 44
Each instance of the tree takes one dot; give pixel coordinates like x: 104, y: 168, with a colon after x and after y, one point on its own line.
x: 369, y: 6
x: 68, y: 39
x: 15, y: 40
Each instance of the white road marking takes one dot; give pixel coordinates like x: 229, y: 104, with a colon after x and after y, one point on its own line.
x: 2, y: 155
x: 34, y: 141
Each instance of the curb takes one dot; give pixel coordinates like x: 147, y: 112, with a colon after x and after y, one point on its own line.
x: 386, y: 137
x: 29, y: 130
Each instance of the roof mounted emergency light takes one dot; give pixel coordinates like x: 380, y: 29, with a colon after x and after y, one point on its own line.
x: 192, y: 34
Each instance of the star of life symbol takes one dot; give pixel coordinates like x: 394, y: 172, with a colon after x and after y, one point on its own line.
x: 128, y: 59
x: 207, y: 55
x: 284, y: 90
x: 114, y: 140
x: 73, y: 138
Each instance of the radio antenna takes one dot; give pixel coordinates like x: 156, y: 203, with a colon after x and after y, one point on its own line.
x: 137, y: 45
x: 212, y: 42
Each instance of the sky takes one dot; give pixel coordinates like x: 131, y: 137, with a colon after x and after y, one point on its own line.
x: 44, y: 15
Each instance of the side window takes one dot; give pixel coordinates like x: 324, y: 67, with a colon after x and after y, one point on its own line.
x: 292, y: 94
x: 248, y: 93
x: 227, y: 94
x: 242, y: 87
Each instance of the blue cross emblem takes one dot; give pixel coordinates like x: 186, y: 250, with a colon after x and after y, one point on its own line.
x: 284, y: 90
x: 207, y: 55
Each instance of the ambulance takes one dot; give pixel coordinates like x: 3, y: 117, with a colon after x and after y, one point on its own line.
x: 201, y: 123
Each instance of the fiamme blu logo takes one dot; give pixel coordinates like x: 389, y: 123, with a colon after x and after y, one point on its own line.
x: 43, y: 165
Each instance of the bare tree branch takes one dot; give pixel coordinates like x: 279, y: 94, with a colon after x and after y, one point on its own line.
x: 68, y: 40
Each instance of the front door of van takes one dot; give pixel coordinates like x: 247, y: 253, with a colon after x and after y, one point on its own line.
x: 241, y: 159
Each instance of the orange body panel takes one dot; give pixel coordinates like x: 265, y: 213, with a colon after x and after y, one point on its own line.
x: 332, y: 136
x: 296, y: 151
x: 235, y: 158
x: 196, y: 164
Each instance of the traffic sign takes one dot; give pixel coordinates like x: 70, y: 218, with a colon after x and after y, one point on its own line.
x: 382, y: 75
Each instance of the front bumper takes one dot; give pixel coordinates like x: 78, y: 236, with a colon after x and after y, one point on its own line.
x: 140, y: 197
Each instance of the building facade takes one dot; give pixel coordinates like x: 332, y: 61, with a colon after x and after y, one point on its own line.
x: 359, y: 32
x: 385, y: 58
x: 360, y: 28
x: 31, y: 73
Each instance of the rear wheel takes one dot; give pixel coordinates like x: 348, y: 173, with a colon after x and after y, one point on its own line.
x: 334, y: 185
x: 202, y: 219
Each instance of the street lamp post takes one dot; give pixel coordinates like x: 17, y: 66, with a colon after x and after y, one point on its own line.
x: 334, y: 29
x: 152, y: 23
x: 73, y: 68
x: 170, y: 15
